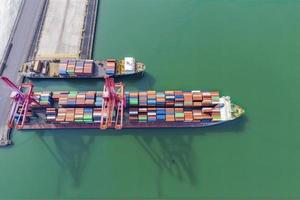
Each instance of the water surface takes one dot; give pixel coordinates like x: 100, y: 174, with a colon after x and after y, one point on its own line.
x: 246, y: 49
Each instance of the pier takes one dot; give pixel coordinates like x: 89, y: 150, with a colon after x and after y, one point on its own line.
x: 27, y: 43
x: 23, y: 34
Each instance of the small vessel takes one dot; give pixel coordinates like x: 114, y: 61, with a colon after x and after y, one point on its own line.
x: 80, y: 68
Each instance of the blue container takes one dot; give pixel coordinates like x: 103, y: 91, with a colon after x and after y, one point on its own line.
x: 161, y: 117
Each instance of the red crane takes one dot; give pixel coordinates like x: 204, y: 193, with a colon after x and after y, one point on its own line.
x: 113, y: 100
x: 23, y: 98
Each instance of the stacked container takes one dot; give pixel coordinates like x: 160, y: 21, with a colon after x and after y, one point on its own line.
x: 142, y: 114
x: 170, y: 98
x: 151, y: 114
x: 197, y: 98
x: 61, y: 115
x: 133, y: 99
x: 179, y: 99
x: 215, y: 97
x: 188, y: 99
x: 50, y: 114
x: 71, y: 102
x: 110, y: 67
x: 79, y: 67
x: 63, y: 99
x: 80, y: 99
x: 70, y: 114
x: 99, y: 99
x: 170, y: 115
x: 143, y: 99
x: 160, y: 113
x: 133, y: 114
x: 88, y: 115
x: 79, y: 114
x: 71, y: 67
x: 62, y: 67
x: 151, y: 98
x: 45, y: 98
x: 179, y: 114
x: 160, y: 99
x: 90, y: 98
x: 206, y: 99
x: 216, y: 114
x: 97, y: 114
x: 88, y: 67
x: 197, y: 115
x: 56, y: 95
x: 188, y: 115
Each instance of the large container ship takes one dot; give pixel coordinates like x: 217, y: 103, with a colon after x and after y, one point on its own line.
x: 115, y: 108
x: 79, y: 68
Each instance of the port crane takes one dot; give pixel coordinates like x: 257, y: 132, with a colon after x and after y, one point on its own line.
x: 113, y: 100
x: 22, y: 100
x: 113, y: 103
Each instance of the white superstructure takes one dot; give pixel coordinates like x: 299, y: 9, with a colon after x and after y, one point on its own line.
x: 129, y: 65
x: 225, y: 110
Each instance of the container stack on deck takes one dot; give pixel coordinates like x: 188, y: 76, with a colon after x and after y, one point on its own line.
x: 50, y: 114
x: 44, y: 98
x: 142, y: 107
x: 110, y: 67
x: 78, y: 114
x: 75, y: 68
x: 170, y: 106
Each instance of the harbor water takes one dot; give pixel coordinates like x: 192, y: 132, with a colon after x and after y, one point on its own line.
x: 247, y: 49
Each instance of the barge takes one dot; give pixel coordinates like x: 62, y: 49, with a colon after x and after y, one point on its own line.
x: 80, y: 68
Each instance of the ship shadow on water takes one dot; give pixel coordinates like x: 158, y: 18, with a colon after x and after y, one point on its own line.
x: 173, y: 151
x: 71, y: 151
x: 170, y: 149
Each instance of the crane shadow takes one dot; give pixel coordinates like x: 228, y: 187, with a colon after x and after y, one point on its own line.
x: 71, y: 150
x: 173, y: 151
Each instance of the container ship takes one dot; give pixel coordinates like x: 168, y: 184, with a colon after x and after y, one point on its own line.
x: 114, y: 108
x: 79, y: 68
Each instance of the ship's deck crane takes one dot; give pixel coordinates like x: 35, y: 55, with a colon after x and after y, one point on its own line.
x: 23, y: 99
x: 113, y: 100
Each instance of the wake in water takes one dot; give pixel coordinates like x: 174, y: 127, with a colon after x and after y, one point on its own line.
x: 8, y: 12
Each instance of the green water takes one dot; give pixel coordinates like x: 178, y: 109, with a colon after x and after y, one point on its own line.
x: 248, y: 49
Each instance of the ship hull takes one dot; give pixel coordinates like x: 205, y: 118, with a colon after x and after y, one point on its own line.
x: 52, y: 70
x: 126, y: 125
x: 81, y: 77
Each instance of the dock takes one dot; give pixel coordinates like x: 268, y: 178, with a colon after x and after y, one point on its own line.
x: 27, y: 39
x: 23, y: 34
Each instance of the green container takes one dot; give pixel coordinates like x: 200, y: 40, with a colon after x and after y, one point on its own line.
x: 88, y: 117
x: 215, y: 98
x: 179, y: 115
x: 133, y: 102
x: 142, y: 118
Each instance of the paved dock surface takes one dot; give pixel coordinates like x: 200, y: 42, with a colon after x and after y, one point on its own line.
x: 62, y: 29
x: 21, y: 43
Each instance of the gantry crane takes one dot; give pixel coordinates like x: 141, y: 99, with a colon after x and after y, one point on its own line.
x: 113, y: 100
x: 23, y: 99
